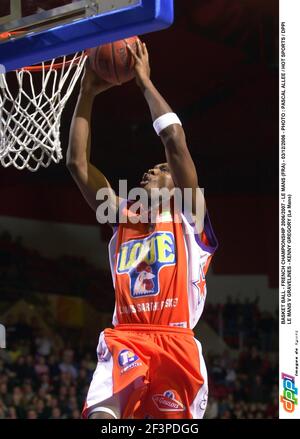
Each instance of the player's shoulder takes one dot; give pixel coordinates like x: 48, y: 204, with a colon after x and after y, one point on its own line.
x: 200, y: 231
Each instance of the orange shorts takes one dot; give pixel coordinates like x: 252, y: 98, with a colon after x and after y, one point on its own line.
x: 149, y: 371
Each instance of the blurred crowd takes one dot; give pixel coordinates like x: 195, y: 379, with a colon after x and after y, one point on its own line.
x: 38, y: 380
x: 243, y: 324
x: 243, y: 386
x: 26, y: 269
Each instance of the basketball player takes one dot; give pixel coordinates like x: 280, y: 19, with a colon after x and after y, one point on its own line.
x: 149, y: 365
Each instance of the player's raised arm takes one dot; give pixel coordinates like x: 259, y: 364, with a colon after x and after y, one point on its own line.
x: 88, y: 178
x: 169, y: 128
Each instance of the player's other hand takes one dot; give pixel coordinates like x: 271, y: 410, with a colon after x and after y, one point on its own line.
x: 91, y: 83
x: 142, y: 66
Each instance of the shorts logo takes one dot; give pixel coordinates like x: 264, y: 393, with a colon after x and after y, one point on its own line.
x: 168, y: 402
x: 203, y: 402
x: 127, y: 360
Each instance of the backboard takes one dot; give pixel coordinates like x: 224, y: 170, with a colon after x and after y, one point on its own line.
x: 41, y: 30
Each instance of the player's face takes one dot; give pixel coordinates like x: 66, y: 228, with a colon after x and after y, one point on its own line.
x: 158, y: 177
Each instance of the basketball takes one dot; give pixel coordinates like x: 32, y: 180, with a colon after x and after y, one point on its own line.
x: 113, y: 62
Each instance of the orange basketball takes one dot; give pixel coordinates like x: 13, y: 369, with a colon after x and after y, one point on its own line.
x: 113, y: 62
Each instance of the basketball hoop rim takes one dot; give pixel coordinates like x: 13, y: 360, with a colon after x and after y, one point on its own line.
x: 40, y: 67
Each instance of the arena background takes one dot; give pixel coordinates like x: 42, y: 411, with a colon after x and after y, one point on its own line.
x: 218, y: 68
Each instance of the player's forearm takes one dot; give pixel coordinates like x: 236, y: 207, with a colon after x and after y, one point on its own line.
x: 157, y: 104
x: 79, y: 143
x: 173, y: 137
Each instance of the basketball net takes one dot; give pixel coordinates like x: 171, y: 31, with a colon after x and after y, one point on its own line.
x: 30, y: 116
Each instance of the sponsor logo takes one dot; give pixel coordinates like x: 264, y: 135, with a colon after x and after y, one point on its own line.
x: 142, y: 259
x: 168, y: 402
x: 179, y: 324
x: 288, y: 398
x: 128, y: 360
x: 203, y: 402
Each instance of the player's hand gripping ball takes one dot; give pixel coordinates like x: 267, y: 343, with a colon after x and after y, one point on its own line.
x: 113, y: 62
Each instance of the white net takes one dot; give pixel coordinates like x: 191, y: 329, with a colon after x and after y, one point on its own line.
x: 31, y: 110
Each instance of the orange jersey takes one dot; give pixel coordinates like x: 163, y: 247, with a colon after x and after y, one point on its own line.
x: 159, y: 274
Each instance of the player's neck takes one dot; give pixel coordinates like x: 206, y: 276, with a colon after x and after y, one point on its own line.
x: 157, y: 210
